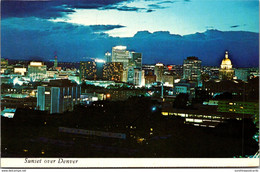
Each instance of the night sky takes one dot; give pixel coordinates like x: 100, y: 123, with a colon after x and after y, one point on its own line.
x: 164, y: 31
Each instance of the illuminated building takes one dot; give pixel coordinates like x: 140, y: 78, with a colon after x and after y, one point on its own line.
x: 192, y: 69
x: 37, y: 71
x: 136, y: 59
x: 130, y: 75
x: 9, y: 113
x: 18, y: 101
x: 108, y: 57
x: 113, y: 71
x: 226, y: 72
x: 58, y: 96
x: 185, y: 87
x: 150, y: 78
x: 137, y: 77
x: 52, y: 73
x: 55, y: 62
x: 20, y: 70
x: 4, y: 62
x: 202, y: 117
x: 210, y: 72
x: 242, y: 74
x: 87, y: 70
x: 135, y: 68
x: 99, y: 68
x: 241, y: 107
x: 158, y: 71
x: 123, y: 94
x: 168, y: 80
x: 74, y: 78
x: 121, y: 54
x: 254, y: 72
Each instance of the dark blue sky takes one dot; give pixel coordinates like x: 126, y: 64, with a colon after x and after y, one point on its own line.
x: 164, y: 31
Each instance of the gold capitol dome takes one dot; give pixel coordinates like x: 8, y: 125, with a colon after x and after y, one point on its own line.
x: 226, y: 62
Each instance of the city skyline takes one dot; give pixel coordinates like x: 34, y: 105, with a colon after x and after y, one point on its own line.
x: 78, y: 29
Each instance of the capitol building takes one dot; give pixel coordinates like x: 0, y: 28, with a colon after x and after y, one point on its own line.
x: 226, y: 72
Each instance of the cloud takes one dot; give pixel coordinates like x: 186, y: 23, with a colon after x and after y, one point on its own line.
x: 98, y: 28
x: 149, y: 11
x: 156, y: 6
x: 121, y: 8
x: 43, y: 27
x: 51, y: 8
x: 234, y: 26
x: 166, y: 2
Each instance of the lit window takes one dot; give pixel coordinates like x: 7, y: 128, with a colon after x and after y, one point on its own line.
x: 198, y: 120
x: 189, y: 120
x: 165, y: 113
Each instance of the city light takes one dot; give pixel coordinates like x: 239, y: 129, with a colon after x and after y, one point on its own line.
x: 159, y: 64
x: 140, y: 140
x: 36, y: 64
x: 25, y: 150
x: 100, y: 61
x: 17, y: 81
x: 120, y: 47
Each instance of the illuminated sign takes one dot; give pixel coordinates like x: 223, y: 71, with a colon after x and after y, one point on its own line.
x: 92, y: 133
x: 170, y: 67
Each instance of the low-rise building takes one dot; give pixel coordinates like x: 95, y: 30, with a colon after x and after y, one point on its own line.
x: 58, y: 96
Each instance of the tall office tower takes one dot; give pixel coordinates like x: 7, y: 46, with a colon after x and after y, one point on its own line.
x: 226, y: 72
x: 138, y: 77
x: 130, y: 75
x: 113, y: 71
x: 192, y: 69
x: 58, y: 96
x: 108, y: 57
x: 99, y: 68
x: 37, y: 71
x: 158, y: 71
x: 55, y: 62
x: 121, y: 54
x: 87, y: 70
x: 135, y: 59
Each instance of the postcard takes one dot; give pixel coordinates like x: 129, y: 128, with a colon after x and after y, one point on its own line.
x: 129, y: 83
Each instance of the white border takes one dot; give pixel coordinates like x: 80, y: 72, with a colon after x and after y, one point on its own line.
x: 133, y: 162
